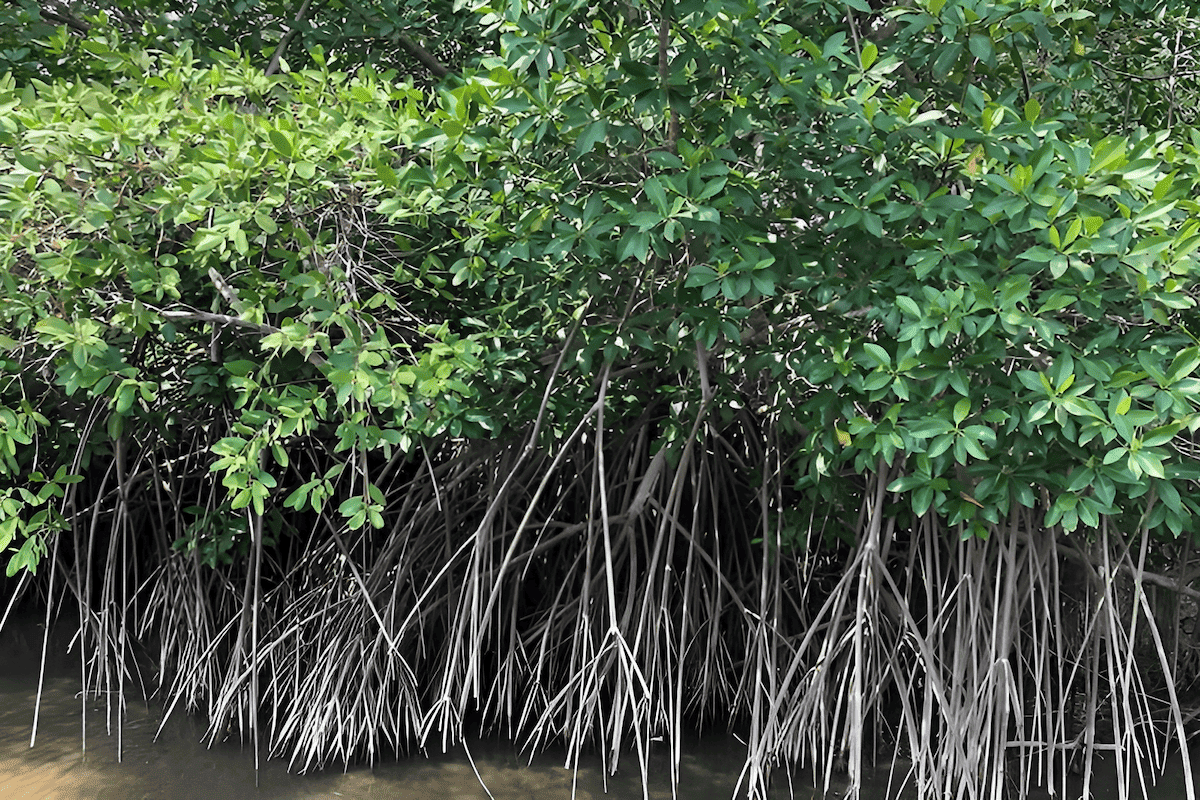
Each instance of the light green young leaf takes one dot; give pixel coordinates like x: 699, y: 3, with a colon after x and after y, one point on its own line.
x: 869, y: 55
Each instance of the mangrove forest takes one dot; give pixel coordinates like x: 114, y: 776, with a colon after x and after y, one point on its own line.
x: 378, y: 375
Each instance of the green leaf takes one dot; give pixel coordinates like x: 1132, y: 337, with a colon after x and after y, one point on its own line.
x: 1062, y: 373
x: 1161, y: 435
x: 1151, y: 365
x: 1183, y: 365
x: 1124, y: 403
x: 298, y: 497
x: 635, y: 244
x: 1146, y: 462
x: 1108, y: 153
x: 878, y: 354
x: 973, y: 447
x: 869, y: 54
x: 205, y: 240
x: 908, y: 306
x: 591, y: 135
x: 281, y: 143
x: 701, y: 275
x: 876, y: 380
x: 981, y: 48
x: 922, y: 498
x: 241, y: 499
x: 962, y: 410
x: 736, y: 287
x: 905, y: 483
x: 386, y: 175
x: 939, y: 445
x: 55, y: 328
x: 946, y: 58
x: 351, y: 506
x: 125, y: 397
x: 712, y: 188
x: 656, y: 194
x: 1058, y: 265
x: 265, y: 223
x: 928, y: 427
x: 1073, y: 230
x: 1033, y: 381
x: 1033, y: 109
x: 873, y: 224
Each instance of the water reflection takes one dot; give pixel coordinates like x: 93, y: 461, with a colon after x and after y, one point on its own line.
x: 177, y: 766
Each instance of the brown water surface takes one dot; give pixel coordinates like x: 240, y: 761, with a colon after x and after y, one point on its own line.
x: 177, y: 766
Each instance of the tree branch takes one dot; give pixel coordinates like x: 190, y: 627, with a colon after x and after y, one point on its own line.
x: 224, y: 319
x: 1165, y: 581
x: 427, y: 59
x: 61, y: 15
x: 227, y: 292
x: 287, y: 38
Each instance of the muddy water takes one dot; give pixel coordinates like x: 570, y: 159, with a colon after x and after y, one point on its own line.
x: 176, y: 766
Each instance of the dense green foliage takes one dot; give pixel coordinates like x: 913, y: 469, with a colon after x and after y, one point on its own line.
x: 909, y: 250
x: 52, y: 39
x: 938, y: 243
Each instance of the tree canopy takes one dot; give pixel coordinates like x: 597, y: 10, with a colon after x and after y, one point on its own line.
x: 921, y: 235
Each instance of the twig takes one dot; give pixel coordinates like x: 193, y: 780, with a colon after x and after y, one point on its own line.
x: 1161, y: 77
x: 853, y: 31
x: 225, y: 319
x: 287, y: 38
